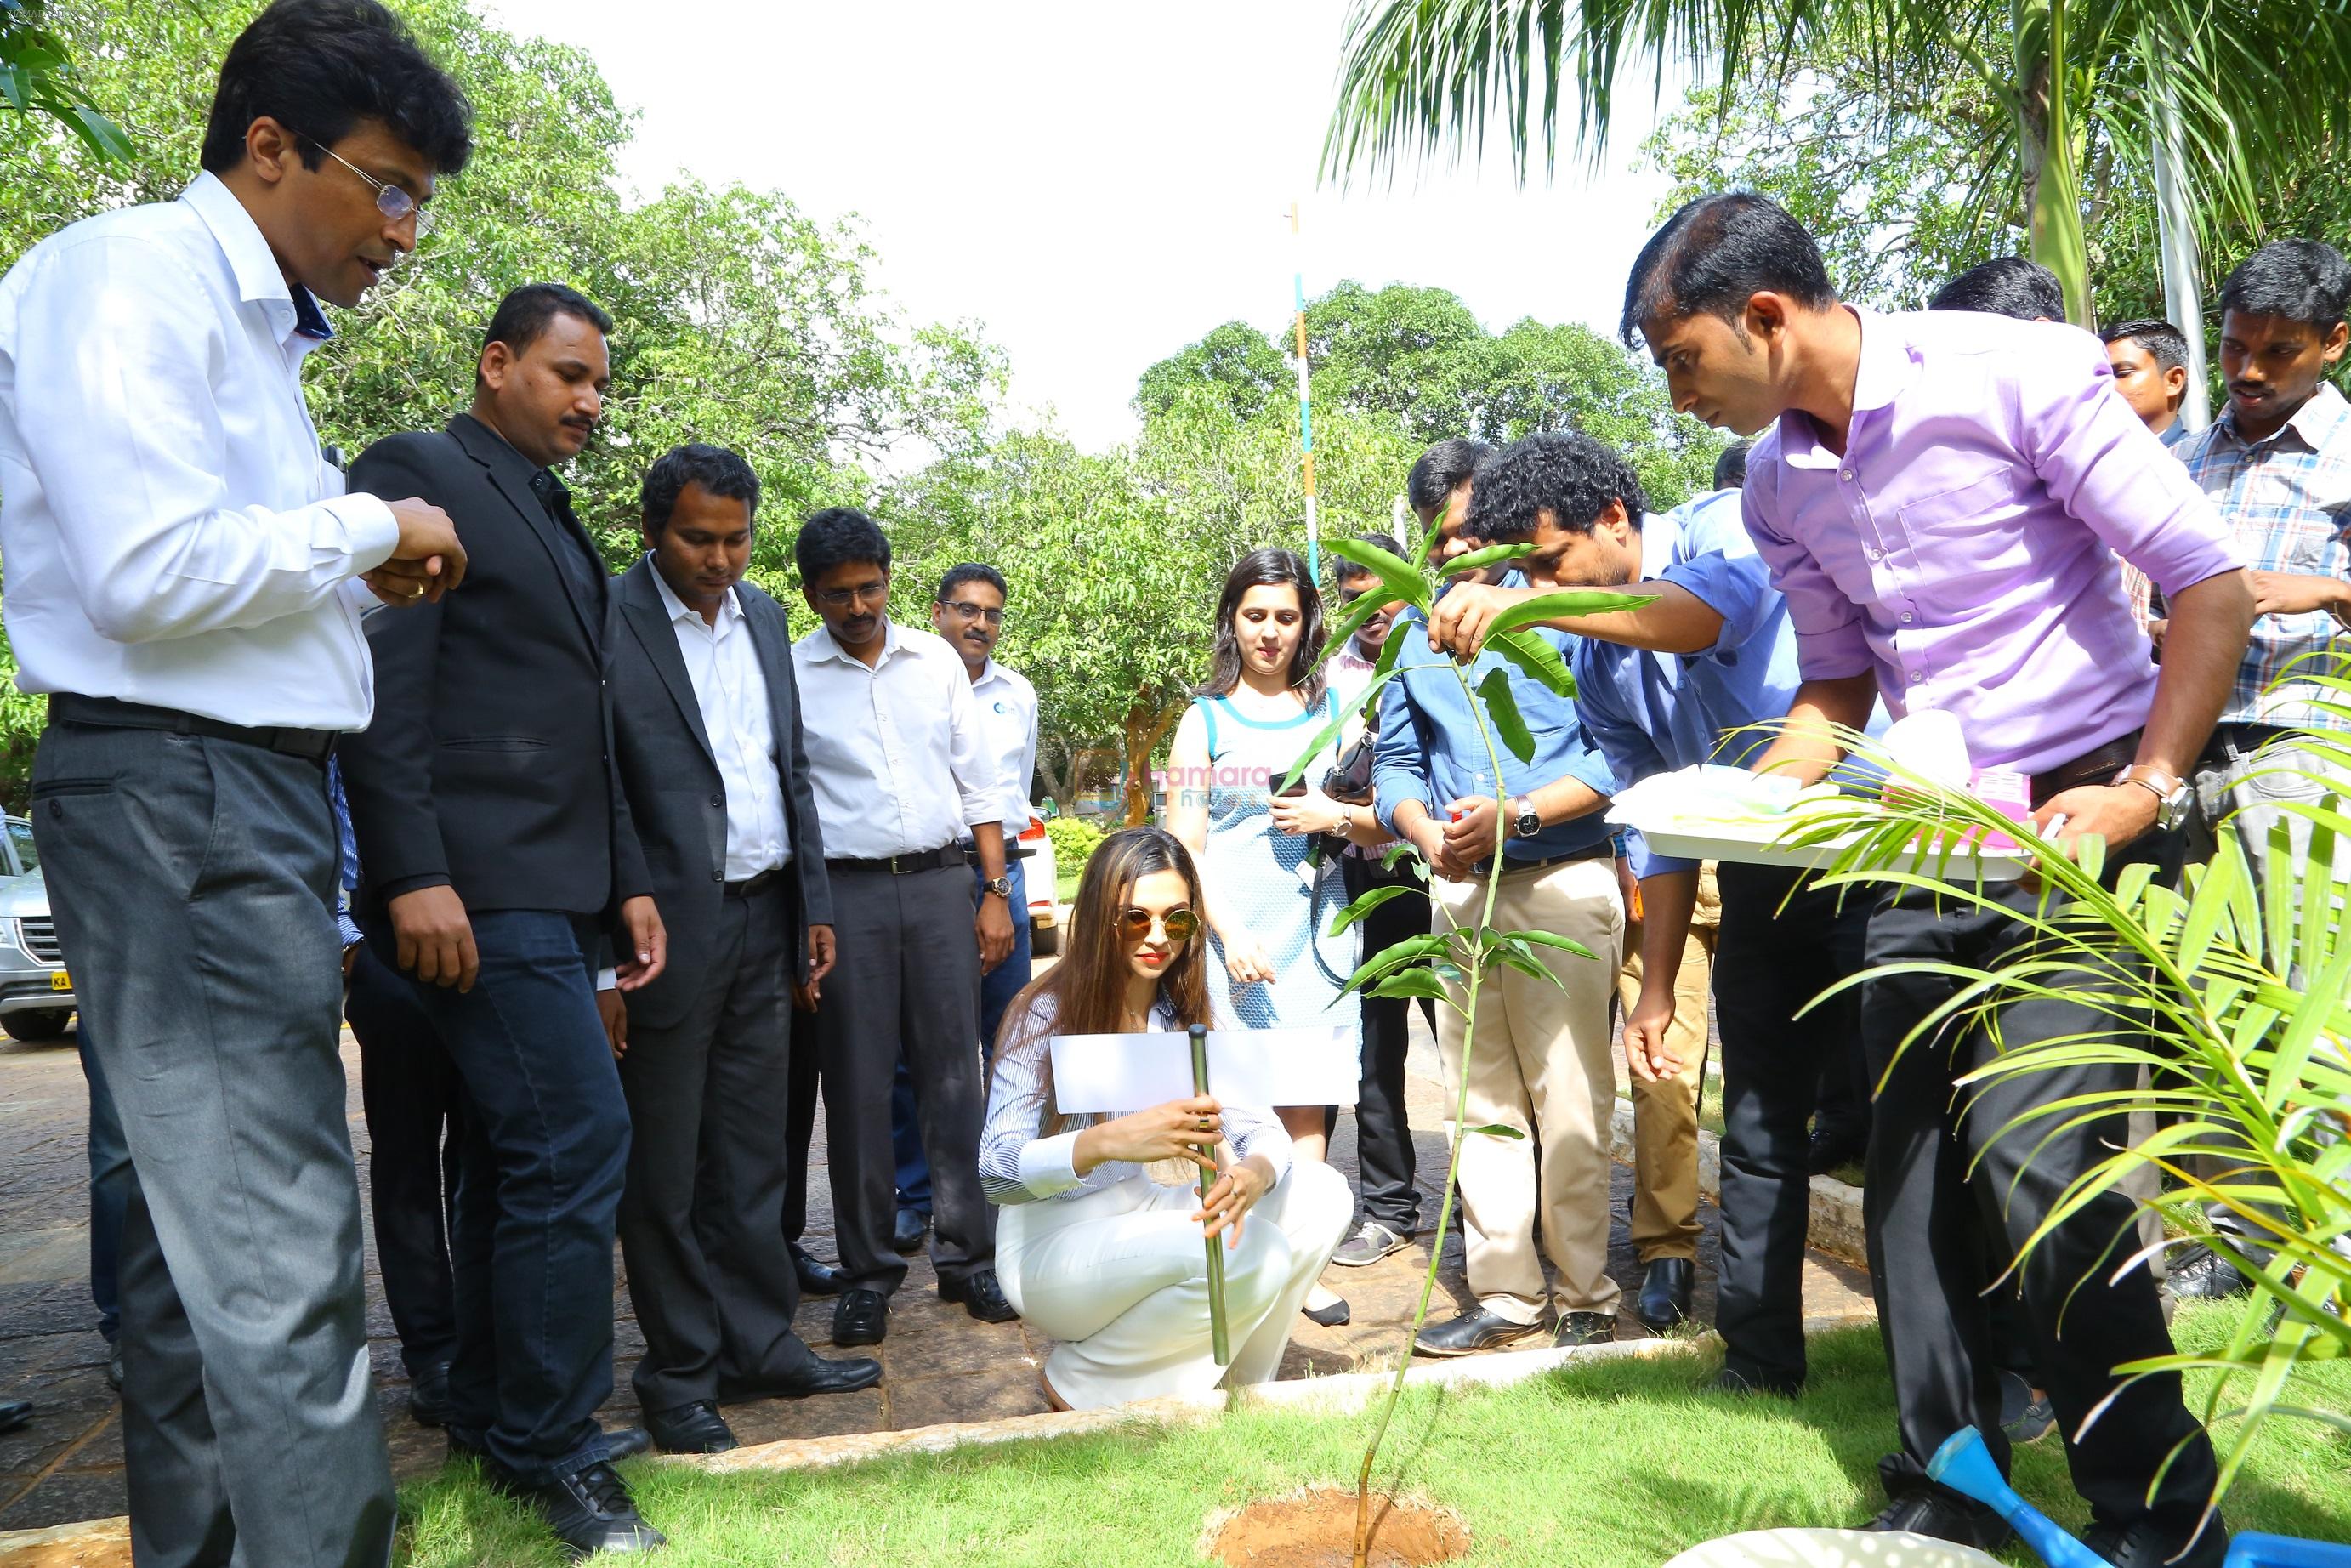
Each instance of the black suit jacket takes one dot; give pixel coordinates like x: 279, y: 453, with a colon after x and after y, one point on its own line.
x: 676, y: 794
x: 489, y: 767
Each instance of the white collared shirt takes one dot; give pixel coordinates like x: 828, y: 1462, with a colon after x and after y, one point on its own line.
x: 172, y: 533
x: 897, y: 758
x: 1007, y: 711
x: 732, y: 691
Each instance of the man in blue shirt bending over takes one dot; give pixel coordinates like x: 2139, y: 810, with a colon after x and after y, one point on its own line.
x: 1665, y: 686
x: 1542, y: 1064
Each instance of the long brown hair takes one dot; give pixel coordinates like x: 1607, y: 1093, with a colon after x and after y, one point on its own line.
x: 1089, y: 985
x: 1268, y: 569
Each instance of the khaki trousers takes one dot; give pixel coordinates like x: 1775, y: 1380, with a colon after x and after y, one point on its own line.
x: 1541, y: 1067
x: 1665, y: 1114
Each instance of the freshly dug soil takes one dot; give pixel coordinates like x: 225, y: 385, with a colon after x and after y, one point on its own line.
x: 1317, y: 1530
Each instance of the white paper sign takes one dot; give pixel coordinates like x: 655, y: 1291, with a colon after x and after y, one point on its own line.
x: 1257, y: 1068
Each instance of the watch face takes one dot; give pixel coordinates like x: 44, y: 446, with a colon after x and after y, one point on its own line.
x: 1527, y: 825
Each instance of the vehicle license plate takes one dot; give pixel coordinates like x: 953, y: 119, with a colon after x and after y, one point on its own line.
x: 59, y: 981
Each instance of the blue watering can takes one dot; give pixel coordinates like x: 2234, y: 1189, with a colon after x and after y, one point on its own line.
x: 1964, y: 1465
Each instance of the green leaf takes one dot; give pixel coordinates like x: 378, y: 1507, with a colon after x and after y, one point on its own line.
x: 1413, y: 983
x: 1496, y: 1130
x: 11, y: 87
x: 1552, y: 939
x: 102, y: 135
x: 1566, y: 601
x: 1490, y: 555
x: 1369, y: 901
x: 1538, y: 658
x: 1396, y: 572
x: 1328, y: 735
x: 1502, y: 708
x: 1411, y: 950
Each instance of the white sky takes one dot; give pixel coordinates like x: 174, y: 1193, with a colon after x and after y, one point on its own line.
x: 1094, y: 186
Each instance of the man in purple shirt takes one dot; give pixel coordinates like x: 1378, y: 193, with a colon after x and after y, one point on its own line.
x: 1942, y: 499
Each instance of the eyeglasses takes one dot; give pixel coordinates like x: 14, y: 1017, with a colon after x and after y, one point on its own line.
x: 970, y: 611
x: 1181, y: 925
x: 394, y: 202
x: 841, y: 598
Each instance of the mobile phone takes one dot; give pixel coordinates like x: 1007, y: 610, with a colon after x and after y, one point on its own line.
x: 1297, y: 787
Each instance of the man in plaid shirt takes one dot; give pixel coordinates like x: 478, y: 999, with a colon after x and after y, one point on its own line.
x: 2277, y: 463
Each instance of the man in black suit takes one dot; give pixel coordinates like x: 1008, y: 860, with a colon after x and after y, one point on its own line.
x: 496, y: 849
x: 708, y: 731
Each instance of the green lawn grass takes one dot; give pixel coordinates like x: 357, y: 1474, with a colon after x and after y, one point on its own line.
x: 1617, y: 1465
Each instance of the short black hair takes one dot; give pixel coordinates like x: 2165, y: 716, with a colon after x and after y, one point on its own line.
x: 524, y: 314
x: 318, y: 67
x: 1343, y: 569
x: 971, y: 571
x: 2166, y: 344
x: 2301, y: 280
x: 1565, y: 473
x: 2010, y: 285
x: 716, y: 469
x: 1715, y: 253
x: 1731, y: 468
x: 1439, y: 471
x: 837, y: 537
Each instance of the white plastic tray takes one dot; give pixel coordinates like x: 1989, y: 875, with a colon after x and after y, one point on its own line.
x: 1753, y: 843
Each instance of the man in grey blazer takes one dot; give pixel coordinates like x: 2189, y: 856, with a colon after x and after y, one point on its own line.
x: 708, y: 741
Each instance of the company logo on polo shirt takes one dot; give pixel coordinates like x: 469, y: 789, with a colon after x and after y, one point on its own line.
x: 1003, y: 707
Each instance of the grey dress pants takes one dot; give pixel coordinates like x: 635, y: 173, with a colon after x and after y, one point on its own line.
x: 192, y: 882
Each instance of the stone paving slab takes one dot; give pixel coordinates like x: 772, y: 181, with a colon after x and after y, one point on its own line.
x: 939, y: 1365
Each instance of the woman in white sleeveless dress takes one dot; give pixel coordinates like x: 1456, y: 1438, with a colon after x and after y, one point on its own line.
x: 1274, y: 884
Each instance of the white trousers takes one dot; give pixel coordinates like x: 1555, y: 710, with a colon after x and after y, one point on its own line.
x: 1119, y: 1277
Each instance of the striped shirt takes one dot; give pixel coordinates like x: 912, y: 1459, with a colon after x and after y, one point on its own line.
x: 2288, y: 497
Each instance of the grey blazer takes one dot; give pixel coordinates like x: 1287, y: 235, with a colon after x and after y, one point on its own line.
x: 671, y: 777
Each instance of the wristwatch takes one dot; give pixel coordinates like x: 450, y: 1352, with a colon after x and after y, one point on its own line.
x: 999, y: 885
x: 2170, y: 794
x: 1525, y: 823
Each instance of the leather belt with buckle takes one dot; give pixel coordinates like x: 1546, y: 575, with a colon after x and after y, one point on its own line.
x: 900, y: 865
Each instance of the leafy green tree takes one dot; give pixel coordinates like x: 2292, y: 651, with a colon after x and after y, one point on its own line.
x: 1417, y: 360
x: 2211, y: 80
x: 38, y: 77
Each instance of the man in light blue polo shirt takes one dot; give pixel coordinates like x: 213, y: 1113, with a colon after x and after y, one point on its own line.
x: 1542, y: 1064
x: 1674, y: 683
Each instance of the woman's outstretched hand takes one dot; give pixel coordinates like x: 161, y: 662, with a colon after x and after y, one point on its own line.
x: 1179, y: 1129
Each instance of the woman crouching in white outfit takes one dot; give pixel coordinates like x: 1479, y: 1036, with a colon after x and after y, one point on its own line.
x: 1099, y: 1240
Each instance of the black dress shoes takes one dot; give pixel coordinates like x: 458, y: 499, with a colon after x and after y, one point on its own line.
x: 846, y: 1376
x: 981, y: 1296
x: 906, y: 1236
x: 1930, y: 1511
x: 1832, y: 1148
x: 428, y: 1397
x: 1474, y: 1330
x: 696, y: 1428
x: 626, y: 1443
x: 14, y: 1413
x: 1578, y: 1329
x: 2144, y: 1543
x: 590, y: 1510
x: 114, y: 1371
x: 862, y: 1318
x: 2202, y: 1274
x: 816, y: 1278
x: 1665, y: 1294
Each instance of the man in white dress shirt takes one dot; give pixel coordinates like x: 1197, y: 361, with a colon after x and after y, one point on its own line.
x: 186, y: 578
x: 708, y: 741
x: 902, y: 773
x: 968, y: 612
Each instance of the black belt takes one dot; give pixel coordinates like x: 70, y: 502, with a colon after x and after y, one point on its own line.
x: 751, y: 887
x: 111, y: 713
x: 2097, y: 766
x: 1604, y: 849
x: 2244, y: 739
x: 901, y: 865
